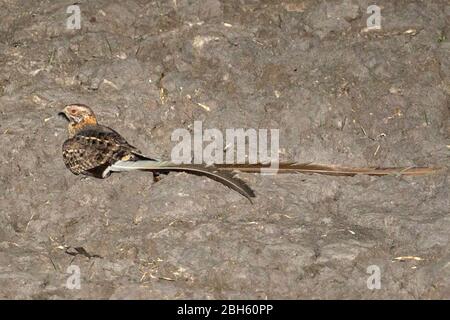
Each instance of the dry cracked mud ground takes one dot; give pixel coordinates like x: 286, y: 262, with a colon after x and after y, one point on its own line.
x: 338, y: 93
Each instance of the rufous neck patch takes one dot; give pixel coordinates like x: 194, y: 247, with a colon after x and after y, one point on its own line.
x: 74, y: 128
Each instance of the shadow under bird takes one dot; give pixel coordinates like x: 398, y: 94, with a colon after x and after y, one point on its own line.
x: 96, y: 150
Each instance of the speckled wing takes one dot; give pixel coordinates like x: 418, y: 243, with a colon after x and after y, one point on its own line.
x: 94, y: 149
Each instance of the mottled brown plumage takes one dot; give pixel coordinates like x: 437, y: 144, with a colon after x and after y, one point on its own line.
x: 94, y: 148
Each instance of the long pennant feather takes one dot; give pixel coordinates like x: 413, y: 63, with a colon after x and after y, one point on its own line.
x: 227, y: 178
x: 292, y: 167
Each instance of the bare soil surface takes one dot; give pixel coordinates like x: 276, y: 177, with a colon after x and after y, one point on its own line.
x: 338, y: 94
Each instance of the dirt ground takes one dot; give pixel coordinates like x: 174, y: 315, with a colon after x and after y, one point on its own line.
x: 338, y: 93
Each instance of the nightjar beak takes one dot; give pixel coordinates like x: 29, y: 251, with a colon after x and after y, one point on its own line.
x: 63, y: 115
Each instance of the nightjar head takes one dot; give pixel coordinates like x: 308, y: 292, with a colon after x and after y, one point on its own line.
x: 78, y: 116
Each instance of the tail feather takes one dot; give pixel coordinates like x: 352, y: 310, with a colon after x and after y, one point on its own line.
x: 226, y: 178
x: 292, y: 167
x: 224, y: 173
